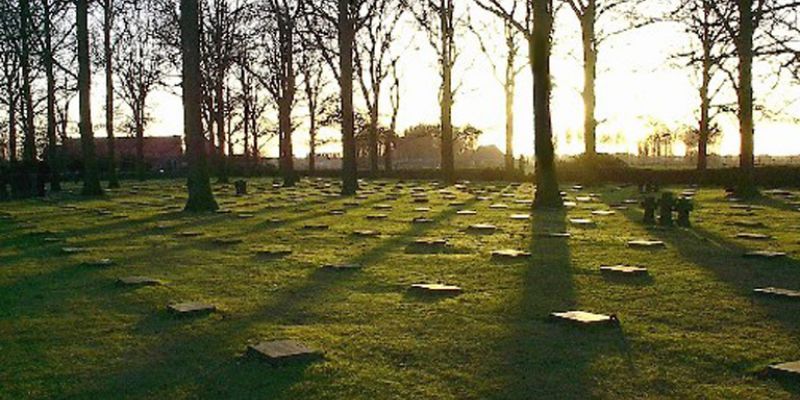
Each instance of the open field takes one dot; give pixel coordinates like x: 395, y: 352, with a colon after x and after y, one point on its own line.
x: 692, y: 328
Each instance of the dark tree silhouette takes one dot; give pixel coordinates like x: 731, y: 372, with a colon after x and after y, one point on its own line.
x: 438, y: 19
x: 536, y: 24
x: 91, y: 175
x: 108, y: 25
x: 201, y: 198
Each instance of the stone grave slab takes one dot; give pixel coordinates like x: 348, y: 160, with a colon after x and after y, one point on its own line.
x: 422, y: 209
x: 510, y: 254
x: 582, y: 222
x: 138, y: 281
x: 646, y: 244
x: 520, y: 217
x: 227, y: 241
x: 315, y: 227
x: 603, y: 213
x: 570, y: 204
x: 584, y: 318
x: 765, y: 254
x: 73, y: 250
x: 191, y: 308
x: 190, y: 234
x: 555, y: 235
x: 457, y: 204
x: 342, y: 267
x: 103, y: 262
x: 499, y: 206
x: 422, y: 220
x: 778, y: 292
x: 283, y: 351
x: 435, y: 288
x: 382, y: 207
x: 273, y: 252
x: 377, y: 216
x: 466, y: 212
x: 749, y: 224
x: 788, y: 369
x: 336, y: 212
x: 244, y: 216
x: 483, y: 228
x: 366, y: 233
x: 753, y: 236
x: 623, y: 270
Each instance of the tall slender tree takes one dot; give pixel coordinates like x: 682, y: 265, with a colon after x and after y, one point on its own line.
x: 439, y: 21
x: 91, y: 175
x: 201, y: 198
x: 108, y: 25
x: 536, y: 24
x: 375, y: 53
x: 335, y: 24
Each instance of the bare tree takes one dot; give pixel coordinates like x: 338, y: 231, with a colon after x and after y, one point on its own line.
x: 590, y: 14
x: 201, y: 198
x: 536, y: 24
x: 756, y: 28
x: 439, y: 21
x: 394, y: 98
x: 374, y: 56
x: 705, y: 27
x: 314, y: 82
x: 109, y: 12
x: 91, y: 175
x: 140, y: 69
x: 511, y: 69
x: 25, y: 55
x: 278, y: 50
x: 332, y: 27
x: 9, y: 56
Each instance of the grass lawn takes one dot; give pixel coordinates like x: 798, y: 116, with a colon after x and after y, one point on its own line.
x: 692, y: 329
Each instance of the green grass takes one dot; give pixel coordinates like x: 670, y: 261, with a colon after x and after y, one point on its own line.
x: 691, y: 330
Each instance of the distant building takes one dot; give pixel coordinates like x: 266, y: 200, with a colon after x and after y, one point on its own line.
x: 160, y: 152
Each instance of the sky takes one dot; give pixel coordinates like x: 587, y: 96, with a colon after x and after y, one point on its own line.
x: 638, y: 82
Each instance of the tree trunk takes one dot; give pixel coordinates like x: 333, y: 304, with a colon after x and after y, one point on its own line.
x: 219, y: 119
x: 547, y: 192
x: 589, y: 77
x: 113, y: 179
x: 12, y: 125
x: 373, y: 134
x: 447, y: 161
x: 201, y: 198
x: 52, y: 144
x: 745, y: 96
x: 346, y: 39
x: 91, y: 176
x: 29, y: 144
x: 139, y: 130
x: 510, y: 88
x: 286, y: 101
x: 704, y: 129
x: 312, y: 143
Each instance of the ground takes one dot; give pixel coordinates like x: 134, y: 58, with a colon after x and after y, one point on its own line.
x: 692, y: 329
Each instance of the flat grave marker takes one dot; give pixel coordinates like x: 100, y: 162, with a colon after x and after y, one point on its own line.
x: 191, y: 308
x: 778, y: 292
x: 788, y: 369
x: 283, y: 351
x: 765, y: 254
x: 623, y: 270
x: 466, y: 212
x: 138, y: 281
x: 434, y: 288
x: 510, y: 254
x: 341, y: 267
x: 753, y: 236
x: 646, y: 244
x: 584, y: 318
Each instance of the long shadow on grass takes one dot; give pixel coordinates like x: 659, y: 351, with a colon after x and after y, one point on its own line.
x: 724, y: 258
x: 540, y: 358
x: 204, y: 360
